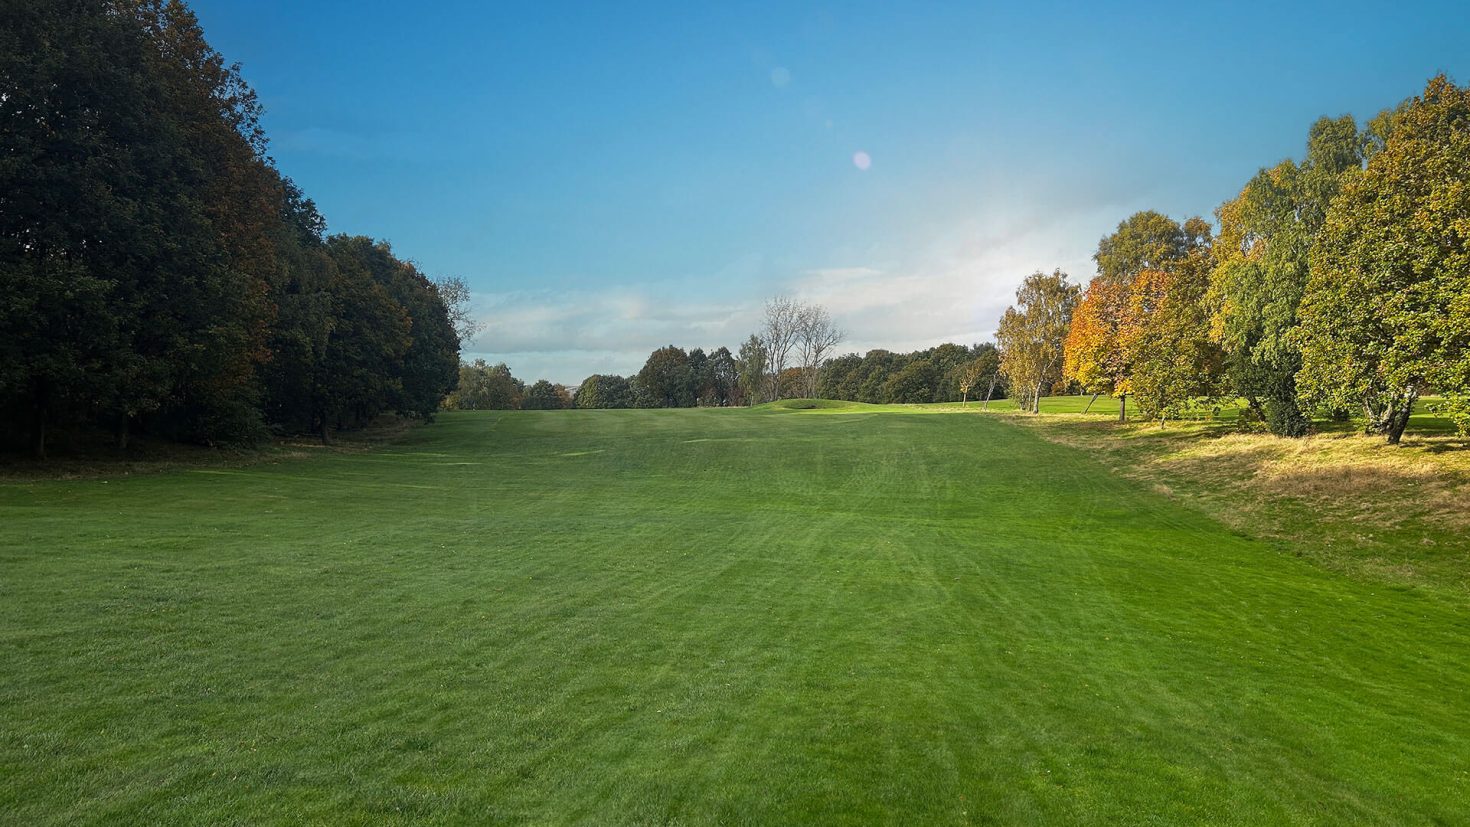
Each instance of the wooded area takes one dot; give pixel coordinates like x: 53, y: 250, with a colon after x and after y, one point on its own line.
x: 161, y: 276
x: 1335, y: 286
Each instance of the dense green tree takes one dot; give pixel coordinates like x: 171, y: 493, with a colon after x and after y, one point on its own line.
x: 1261, y: 267
x: 1146, y: 240
x: 837, y: 377
x: 542, y: 395
x: 1386, y: 310
x: 158, y: 272
x: 604, y: 391
x: 752, y: 365
x: 721, y: 383
x: 947, y: 358
x: 294, y: 378
x: 667, y: 379
x: 699, y: 378
x: 486, y: 387
x: 427, y: 371
x: 370, y: 333
x: 872, y: 377
x: 128, y: 175
x: 875, y: 377
x: 918, y: 381
x: 642, y: 396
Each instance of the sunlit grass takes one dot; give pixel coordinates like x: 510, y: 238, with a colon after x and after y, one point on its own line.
x: 703, y: 616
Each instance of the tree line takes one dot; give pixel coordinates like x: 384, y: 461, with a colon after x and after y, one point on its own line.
x: 789, y: 356
x: 160, y: 274
x: 1334, y: 285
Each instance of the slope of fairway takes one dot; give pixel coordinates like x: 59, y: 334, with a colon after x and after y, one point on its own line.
x: 702, y: 616
x: 827, y: 405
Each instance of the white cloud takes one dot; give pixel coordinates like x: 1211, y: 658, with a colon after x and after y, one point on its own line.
x: 566, y: 335
x: 954, y: 290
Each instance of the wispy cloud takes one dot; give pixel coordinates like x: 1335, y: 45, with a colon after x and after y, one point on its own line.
x: 955, y: 290
x: 566, y: 335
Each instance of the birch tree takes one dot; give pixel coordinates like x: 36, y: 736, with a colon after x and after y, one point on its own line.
x: 816, y: 338
x: 1032, y: 333
x: 779, y: 336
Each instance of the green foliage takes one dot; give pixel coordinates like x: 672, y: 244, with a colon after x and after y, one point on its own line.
x: 751, y: 366
x: 485, y: 387
x: 937, y: 375
x: 1261, y: 269
x: 1175, y: 369
x: 1386, y: 311
x: 666, y: 380
x: 915, y: 382
x: 427, y: 369
x: 1146, y: 240
x: 716, y: 378
x: 604, y: 391
x: 545, y: 396
x: 160, y: 275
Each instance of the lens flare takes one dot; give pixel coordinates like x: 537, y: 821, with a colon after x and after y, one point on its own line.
x: 861, y: 160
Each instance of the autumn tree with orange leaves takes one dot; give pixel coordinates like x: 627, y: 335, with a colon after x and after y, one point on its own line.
x: 1175, y: 369
x: 1141, y: 328
x: 1094, y: 353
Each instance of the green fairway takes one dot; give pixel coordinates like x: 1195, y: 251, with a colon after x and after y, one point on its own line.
x: 843, y: 615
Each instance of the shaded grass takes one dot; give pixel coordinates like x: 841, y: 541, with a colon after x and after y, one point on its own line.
x: 699, y: 617
x: 94, y: 455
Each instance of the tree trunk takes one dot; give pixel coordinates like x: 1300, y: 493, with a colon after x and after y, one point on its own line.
x: 1399, y: 419
x: 1123, y: 408
x: 122, y: 434
x: 38, y: 433
x: 1255, y: 404
x: 1377, y: 416
x: 1089, y: 403
x: 988, y: 392
x: 1036, y: 400
x: 39, y: 404
x: 326, y: 432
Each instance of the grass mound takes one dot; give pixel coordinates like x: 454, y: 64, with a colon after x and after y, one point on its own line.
x: 815, y: 405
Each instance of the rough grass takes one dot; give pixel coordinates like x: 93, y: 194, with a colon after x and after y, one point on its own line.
x: 823, y: 616
x: 1350, y: 502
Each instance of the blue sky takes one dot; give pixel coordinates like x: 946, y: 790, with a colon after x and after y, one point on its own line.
x: 615, y: 176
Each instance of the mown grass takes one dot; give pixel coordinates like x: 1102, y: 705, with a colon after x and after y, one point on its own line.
x: 832, y: 616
